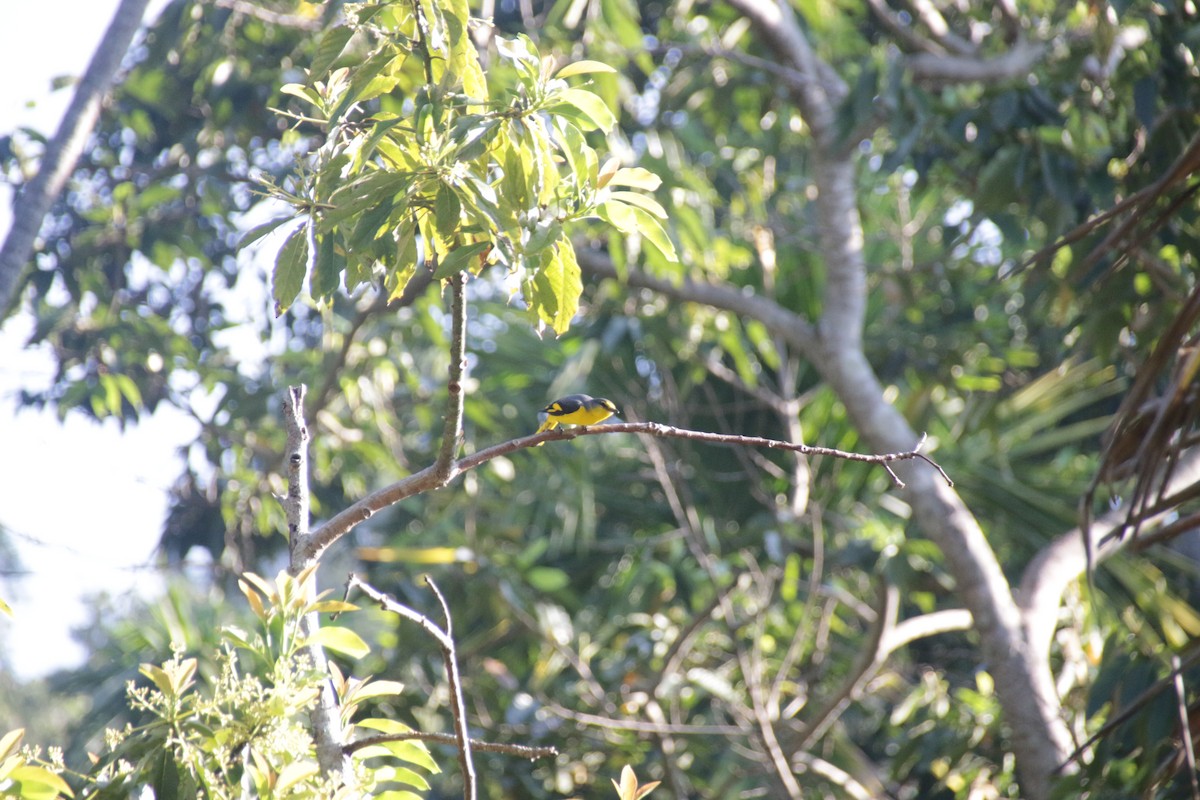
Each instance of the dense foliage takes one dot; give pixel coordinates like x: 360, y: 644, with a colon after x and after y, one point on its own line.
x: 730, y: 621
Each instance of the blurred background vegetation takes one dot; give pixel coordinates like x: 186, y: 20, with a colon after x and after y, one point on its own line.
x: 648, y: 602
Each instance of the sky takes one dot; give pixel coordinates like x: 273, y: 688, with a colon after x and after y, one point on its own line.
x: 81, y: 502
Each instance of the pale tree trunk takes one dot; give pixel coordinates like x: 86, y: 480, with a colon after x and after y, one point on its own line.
x: 62, y: 152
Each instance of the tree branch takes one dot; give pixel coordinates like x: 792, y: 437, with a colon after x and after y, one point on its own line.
x: 64, y: 149
x: 427, y: 479
x: 452, y: 435
x: 325, y: 716
x: 1063, y: 560
x: 941, y: 70
x: 450, y: 739
x: 822, y: 89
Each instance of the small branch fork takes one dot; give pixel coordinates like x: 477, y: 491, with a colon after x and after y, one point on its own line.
x: 445, y: 639
x: 428, y: 479
x: 444, y: 636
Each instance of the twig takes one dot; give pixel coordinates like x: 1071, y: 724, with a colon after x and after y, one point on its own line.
x: 452, y: 436
x: 670, y: 431
x: 1185, y: 727
x: 270, y: 17
x: 451, y: 740
x: 637, y: 726
x: 1132, y: 707
x: 459, y: 707
x: 444, y: 638
x: 871, y: 657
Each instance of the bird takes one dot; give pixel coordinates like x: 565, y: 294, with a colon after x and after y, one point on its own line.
x: 576, y: 409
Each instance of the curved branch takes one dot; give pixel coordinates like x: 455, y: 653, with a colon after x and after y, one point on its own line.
x: 941, y: 70
x: 872, y: 656
x: 822, y: 89
x: 1040, y: 737
x: 1065, y: 559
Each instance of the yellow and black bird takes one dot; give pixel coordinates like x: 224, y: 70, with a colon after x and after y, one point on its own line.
x: 576, y: 409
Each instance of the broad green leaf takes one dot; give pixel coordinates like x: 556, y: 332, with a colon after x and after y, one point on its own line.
x: 460, y: 258
x: 382, y: 688
x: 406, y: 261
x: 293, y: 774
x: 632, y: 219
x: 464, y: 58
x: 341, y: 640
x: 367, y: 83
x: 583, y: 68
x: 10, y: 742
x: 290, y: 268
x: 332, y: 43
x: 643, y: 201
x: 557, y: 287
x: 635, y: 177
x: 580, y: 155
x: 585, y: 108
x: 327, y: 274
x: 38, y: 782
x: 159, y: 677
x: 447, y: 210
x: 384, y: 725
x: 548, y: 579
x: 401, y: 775
x: 258, y: 231
x: 303, y: 92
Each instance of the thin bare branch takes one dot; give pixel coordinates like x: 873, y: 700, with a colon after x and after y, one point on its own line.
x: 451, y: 740
x: 870, y: 658
x: 445, y: 639
x: 1185, y: 726
x: 638, y: 726
x: 926, y: 625
x: 427, y: 480
x: 272, y: 17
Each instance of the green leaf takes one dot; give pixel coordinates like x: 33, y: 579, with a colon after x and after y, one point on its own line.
x: 341, y: 640
x: 447, y: 209
x: 635, y: 177
x: 644, y: 201
x: 586, y: 109
x: 303, y: 92
x: 290, y: 268
x: 406, y: 261
x: 632, y: 219
x: 332, y: 43
x: 38, y: 782
x: 10, y: 742
x: 293, y: 774
x: 548, y: 579
x: 459, y: 259
x: 326, y: 277
x: 583, y: 68
x: 557, y: 286
x: 258, y: 231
